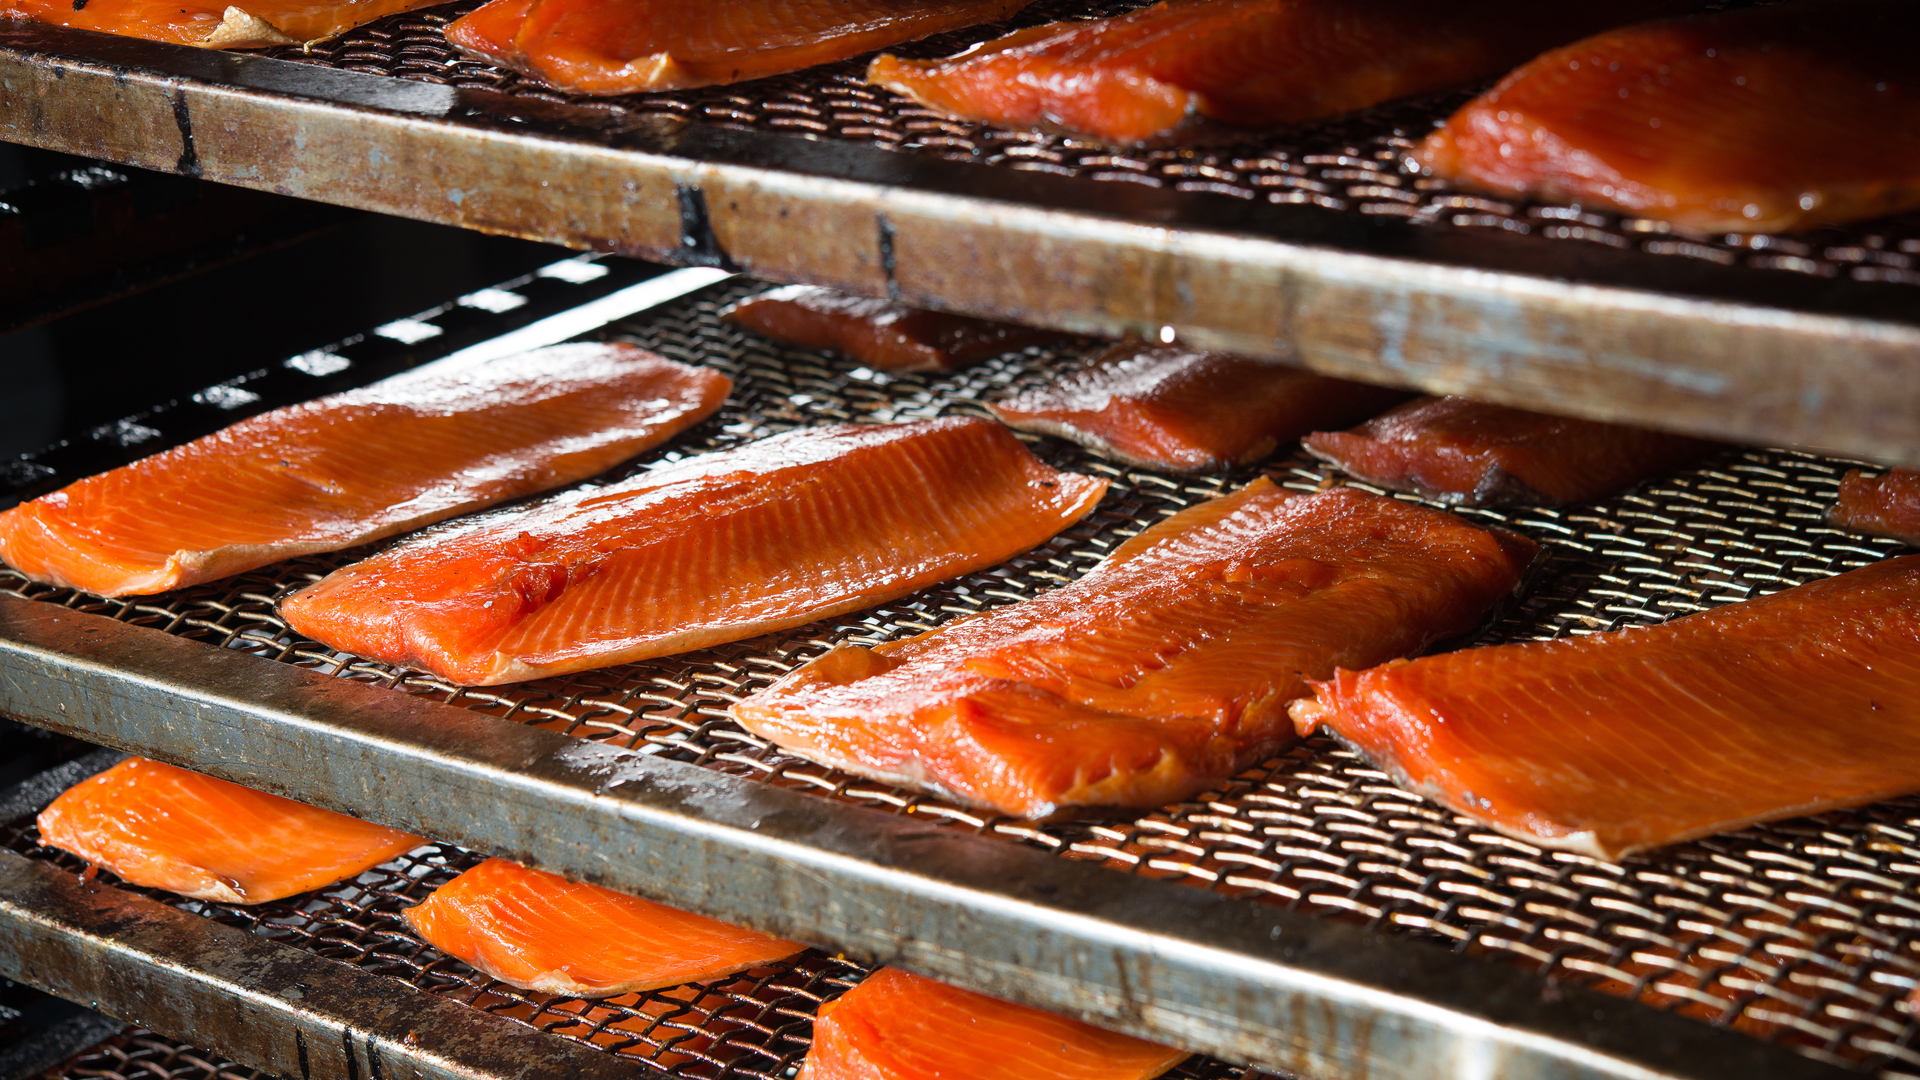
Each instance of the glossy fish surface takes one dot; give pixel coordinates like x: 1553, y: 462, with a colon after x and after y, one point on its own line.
x: 1768, y: 119
x: 1145, y: 75
x: 898, y: 1026
x: 882, y: 334
x: 539, y: 931
x: 1471, y: 453
x: 1798, y: 702
x: 1884, y: 505
x: 355, y: 467
x: 1187, y: 410
x: 168, y: 828
x: 213, y: 24
x: 1163, y: 671
x: 629, y: 46
x: 715, y: 548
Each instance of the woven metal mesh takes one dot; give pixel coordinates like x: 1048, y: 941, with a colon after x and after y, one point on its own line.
x: 139, y: 1054
x: 1805, y: 932
x: 1354, y: 164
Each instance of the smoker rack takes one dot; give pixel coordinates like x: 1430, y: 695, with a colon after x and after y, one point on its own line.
x: 1799, y: 934
x: 1314, y: 243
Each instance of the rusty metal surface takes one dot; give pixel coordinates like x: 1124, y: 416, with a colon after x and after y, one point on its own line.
x: 1314, y: 244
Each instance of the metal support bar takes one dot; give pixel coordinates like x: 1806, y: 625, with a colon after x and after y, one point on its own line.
x: 1238, y: 978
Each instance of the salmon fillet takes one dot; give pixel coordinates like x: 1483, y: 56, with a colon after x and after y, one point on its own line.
x: 213, y: 24
x: 1160, y: 673
x: 539, y: 931
x: 167, y: 828
x: 1768, y: 119
x: 355, y: 467
x: 896, y: 1026
x: 1170, y: 408
x: 1147, y: 74
x: 629, y: 46
x: 717, y: 548
x: 881, y: 334
x: 1884, y: 505
x: 1791, y: 704
x: 1473, y: 454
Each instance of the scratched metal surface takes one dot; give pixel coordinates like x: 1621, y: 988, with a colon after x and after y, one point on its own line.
x: 1804, y: 932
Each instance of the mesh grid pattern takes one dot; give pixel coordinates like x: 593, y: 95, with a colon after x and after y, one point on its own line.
x: 1353, y: 164
x: 1805, y: 932
x: 139, y: 1054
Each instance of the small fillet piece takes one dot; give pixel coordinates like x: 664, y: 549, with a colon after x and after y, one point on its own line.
x: 1885, y: 505
x: 167, y: 828
x: 1160, y: 673
x: 212, y: 24
x: 356, y: 467
x: 631, y: 46
x: 1766, y: 119
x: 1146, y: 75
x: 539, y: 931
x: 716, y: 548
x: 1473, y: 454
x: 896, y: 1026
x: 881, y: 334
x: 1169, y: 408
x: 1802, y: 701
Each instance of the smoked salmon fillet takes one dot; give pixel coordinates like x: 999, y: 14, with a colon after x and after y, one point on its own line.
x: 1768, y: 119
x: 630, y: 46
x: 881, y: 334
x: 1148, y: 74
x: 356, y: 467
x: 539, y: 931
x: 716, y: 548
x: 212, y: 24
x: 1884, y: 505
x: 168, y: 828
x: 1798, y: 702
x: 1160, y: 673
x: 1169, y: 408
x: 896, y: 1026
x: 1473, y: 454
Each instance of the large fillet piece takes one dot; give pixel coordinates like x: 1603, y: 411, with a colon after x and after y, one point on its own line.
x: 1884, y: 505
x: 355, y: 467
x: 715, y: 548
x: 1161, y: 672
x: 213, y: 24
x: 896, y: 1026
x: 883, y: 334
x: 1187, y: 410
x: 168, y: 828
x: 1474, y: 454
x: 1754, y: 120
x: 539, y: 931
x: 628, y: 46
x: 1802, y: 701
x: 1145, y: 75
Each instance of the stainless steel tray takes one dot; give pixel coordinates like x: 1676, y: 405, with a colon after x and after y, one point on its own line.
x: 1308, y: 916
x: 1312, y: 244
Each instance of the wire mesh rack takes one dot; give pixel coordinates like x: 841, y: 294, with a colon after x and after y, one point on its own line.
x: 139, y: 1054
x: 1804, y: 933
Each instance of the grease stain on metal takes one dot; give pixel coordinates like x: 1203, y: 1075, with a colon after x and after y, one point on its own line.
x: 189, y: 161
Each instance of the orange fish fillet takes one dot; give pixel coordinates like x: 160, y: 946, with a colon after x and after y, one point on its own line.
x: 1160, y: 673
x: 1885, y: 505
x: 878, y: 333
x: 717, y: 548
x: 168, y: 828
x: 539, y: 931
x: 1474, y: 454
x: 1181, y: 409
x: 1252, y: 62
x: 213, y: 24
x: 896, y: 1026
x: 355, y: 467
x: 629, y: 46
x: 1758, y: 120
x: 1795, y: 703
